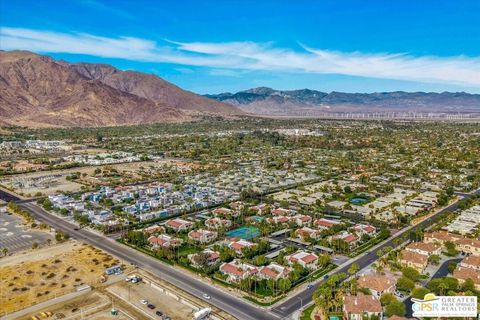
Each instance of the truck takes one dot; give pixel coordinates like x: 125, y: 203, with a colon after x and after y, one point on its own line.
x: 202, y: 314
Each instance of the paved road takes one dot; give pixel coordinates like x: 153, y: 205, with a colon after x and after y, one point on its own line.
x: 295, y: 302
x: 231, y: 304
x: 7, y: 196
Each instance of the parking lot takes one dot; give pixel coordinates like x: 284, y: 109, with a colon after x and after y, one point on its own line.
x: 158, y: 301
x: 15, y: 237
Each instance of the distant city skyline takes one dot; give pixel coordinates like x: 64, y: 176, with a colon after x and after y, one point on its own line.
x: 228, y: 46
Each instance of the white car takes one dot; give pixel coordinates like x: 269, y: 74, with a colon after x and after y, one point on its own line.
x: 206, y: 296
x: 143, y: 301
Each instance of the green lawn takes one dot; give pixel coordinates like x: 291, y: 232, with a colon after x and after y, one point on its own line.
x: 307, y: 313
x: 260, y: 303
x: 187, y: 249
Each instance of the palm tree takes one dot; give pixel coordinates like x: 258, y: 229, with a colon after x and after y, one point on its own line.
x: 354, y: 268
x: 443, y: 287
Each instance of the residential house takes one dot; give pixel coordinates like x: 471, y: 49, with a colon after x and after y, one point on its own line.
x: 307, y: 232
x: 326, y: 224
x: 302, y: 220
x: 469, y: 246
x: 178, y: 224
x: 378, y: 284
x: 164, y: 241
x: 305, y: 259
x: 350, y: 238
x: 237, y: 205
x: 361, y: 305
x: 225, y: 212
x: 239, y: 245
x: 154, y: 229
x: 211, y: 257
x: 281, y: 212
x: 236, y: 270
x: 440, y: 237
x: 423, y: 248
x: 260, y: 209
x: 466, y: 223
x: 202, y: 236
x: 337, y: 204
x: 274, y: 271
x: 218, y: 223
x: 413, y: 259
x: 472, y: 262
x: 362, y: 229
x: 279, y: 220
x: 462, y: 274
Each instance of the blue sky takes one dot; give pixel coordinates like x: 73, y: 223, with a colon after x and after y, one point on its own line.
x: 217, y: 46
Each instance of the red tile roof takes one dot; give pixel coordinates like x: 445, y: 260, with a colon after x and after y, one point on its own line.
x: 229, y: 268
x: 326, y: 223
x: 467, y: 273
x: 361, y: 303
x: 309, y: 258
x: 378, y: 283
x: 271, y: 273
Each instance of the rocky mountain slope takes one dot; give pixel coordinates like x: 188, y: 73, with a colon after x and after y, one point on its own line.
x: 36, y: 90
x: 267, y: 101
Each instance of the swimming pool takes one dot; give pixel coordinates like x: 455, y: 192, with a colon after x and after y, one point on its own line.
x: 358, y: 200
x: 244, y: 233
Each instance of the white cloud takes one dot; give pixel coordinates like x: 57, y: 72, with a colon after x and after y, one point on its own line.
x: 459, y: 70
x: 226, y: 72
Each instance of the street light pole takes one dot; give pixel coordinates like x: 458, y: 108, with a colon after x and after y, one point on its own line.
x: 301, y: 302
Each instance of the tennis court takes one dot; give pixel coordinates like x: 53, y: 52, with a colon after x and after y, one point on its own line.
x: 244, y: 233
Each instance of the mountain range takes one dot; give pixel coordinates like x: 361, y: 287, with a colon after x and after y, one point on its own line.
x: 306, y: 102
x: 36, y: 90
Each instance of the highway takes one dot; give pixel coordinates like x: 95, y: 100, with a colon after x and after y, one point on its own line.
x: 236, y: 306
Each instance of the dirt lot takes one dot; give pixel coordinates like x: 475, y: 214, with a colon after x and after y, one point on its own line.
x: 52, y: 271
x: 92, y: 305
x: 54, y: 181
x: 44, y: 182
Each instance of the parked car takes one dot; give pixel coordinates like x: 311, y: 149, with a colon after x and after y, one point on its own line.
x: 151, y: 306
x: 136, y: 280
x: 310, y: 286
x: 159, y: 313
x: 143, y: 301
